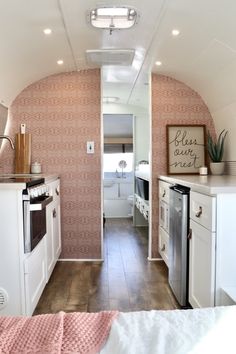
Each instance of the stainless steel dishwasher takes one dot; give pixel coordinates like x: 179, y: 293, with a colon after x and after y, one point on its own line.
x: 178, y: 243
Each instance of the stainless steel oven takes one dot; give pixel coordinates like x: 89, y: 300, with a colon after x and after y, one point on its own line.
x: 35, y: 200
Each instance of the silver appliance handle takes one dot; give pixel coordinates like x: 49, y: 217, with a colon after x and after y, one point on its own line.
x: 41, y: 205
x: 27, y: 238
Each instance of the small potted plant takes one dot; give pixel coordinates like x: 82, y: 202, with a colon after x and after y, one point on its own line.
x: 215, y: 150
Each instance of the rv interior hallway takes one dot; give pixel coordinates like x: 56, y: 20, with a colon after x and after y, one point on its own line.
x: 125, y: 281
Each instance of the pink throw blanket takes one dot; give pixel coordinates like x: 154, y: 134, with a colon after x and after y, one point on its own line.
x: 65, y: 333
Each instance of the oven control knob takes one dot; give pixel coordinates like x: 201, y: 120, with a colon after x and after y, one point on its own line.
x: 35, y: 192
x: 31, y: 193
x: 40, y: 192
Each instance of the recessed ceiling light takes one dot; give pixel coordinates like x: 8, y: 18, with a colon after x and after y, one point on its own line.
x: 175, y: 32
x: 158, y: 63
x: 60, y: 62
x: 47, y: 31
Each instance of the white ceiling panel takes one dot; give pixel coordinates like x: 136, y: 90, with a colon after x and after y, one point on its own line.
x: 203, y: 55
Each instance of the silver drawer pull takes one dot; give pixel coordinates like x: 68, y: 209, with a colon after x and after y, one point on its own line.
x: 189, y: 234
x: 57, y: 190
x: 54, y: 213
x: 163, y: 248
x: 164, y: 193
x: 199, y: 213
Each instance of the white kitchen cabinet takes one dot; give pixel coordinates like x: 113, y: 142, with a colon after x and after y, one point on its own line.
x: 23, y: 276
x: 35, y: 276
x: 212, y: 265
x: 201, y: 266
x: 53, y: 237
x: 213, y: 245
x: 163, y: 244
x: 202, y: 250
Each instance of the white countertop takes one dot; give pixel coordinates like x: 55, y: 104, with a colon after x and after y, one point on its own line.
x: 209, y: 185
x: 143, y: 174
x: 22, y: 185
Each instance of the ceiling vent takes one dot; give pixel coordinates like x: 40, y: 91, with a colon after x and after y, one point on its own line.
x: 3, y: 298
x: 110, y: 56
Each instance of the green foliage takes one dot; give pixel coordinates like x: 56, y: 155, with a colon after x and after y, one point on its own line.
x: 216, y: 149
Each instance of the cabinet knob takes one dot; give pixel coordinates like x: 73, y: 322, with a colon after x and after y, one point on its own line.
x: 189, y: 234
x: 163, y: 248
x: 164, y: 193
x: 57, y: 190
x: 54, y: 213
x: 199, y: 212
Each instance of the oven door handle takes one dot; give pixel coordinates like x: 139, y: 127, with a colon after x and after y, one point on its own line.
x: 41, y: 205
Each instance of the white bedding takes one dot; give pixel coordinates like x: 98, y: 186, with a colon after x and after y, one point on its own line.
x: 198, y: 331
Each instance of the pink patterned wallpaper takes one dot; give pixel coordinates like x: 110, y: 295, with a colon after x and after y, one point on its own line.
x: 62, y: 112
x: 172, y: 103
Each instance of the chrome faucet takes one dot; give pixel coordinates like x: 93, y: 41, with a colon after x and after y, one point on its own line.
x: 9, y: 139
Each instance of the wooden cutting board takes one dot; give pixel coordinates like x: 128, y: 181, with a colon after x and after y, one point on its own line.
x: 22, y: 153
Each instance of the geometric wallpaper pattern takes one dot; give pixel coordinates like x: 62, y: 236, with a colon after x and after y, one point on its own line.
x: 173, y: 102
x: 63, y: 112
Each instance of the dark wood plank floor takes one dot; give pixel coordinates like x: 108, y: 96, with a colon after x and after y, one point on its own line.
x: 125, y: 281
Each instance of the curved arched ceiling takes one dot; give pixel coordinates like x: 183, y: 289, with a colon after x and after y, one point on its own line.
x: 203, y: 55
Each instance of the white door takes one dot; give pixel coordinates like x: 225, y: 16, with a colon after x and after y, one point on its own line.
x: 35, y: 276
x: 57, y: 231
x: 49, y: 241
x: 201, y: 266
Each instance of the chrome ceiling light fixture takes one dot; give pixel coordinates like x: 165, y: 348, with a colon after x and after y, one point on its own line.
x: 113, y: 18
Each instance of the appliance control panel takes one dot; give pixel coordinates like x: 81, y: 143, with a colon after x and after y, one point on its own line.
x: 38, y: 191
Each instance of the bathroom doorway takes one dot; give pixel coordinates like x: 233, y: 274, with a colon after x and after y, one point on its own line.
x: 118, y: 165
x: 121, y: 212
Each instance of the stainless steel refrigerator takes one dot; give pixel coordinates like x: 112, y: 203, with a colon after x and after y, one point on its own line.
x: 178, y: 243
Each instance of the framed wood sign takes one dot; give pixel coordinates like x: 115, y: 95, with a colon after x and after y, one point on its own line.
x: 185, y: 148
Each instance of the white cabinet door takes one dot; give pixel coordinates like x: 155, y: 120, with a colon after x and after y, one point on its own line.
x: 50, y: 241
x: 53, y: 245
x: 56, y: 230
x: 35, y: 276
x: 201, y: 267
x: 163, y: 244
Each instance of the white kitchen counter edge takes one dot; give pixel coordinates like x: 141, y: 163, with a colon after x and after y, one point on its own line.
x: 209, y: 185
x: 21, y: 185
x: 143, y: 174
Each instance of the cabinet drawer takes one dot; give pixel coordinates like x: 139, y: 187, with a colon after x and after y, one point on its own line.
x: 163, y: 244
x: 164, y: 192
x: 203, y: 210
